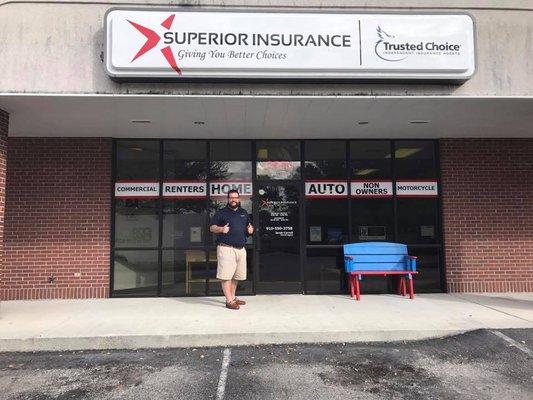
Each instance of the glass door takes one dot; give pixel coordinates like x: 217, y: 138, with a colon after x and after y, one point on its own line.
x: 278, y: 246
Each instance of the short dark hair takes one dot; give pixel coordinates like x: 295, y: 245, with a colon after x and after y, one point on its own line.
x: 233, y: 191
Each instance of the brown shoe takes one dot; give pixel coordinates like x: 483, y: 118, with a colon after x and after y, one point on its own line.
x: 232, y: 305
x: 239, y: 302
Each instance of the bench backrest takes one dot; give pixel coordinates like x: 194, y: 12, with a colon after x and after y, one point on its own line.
x: 377, y: 256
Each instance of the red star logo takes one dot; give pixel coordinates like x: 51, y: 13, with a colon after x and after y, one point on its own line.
x: 152, y: 39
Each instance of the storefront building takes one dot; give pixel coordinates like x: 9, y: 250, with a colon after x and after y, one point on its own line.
x: 123, y: 127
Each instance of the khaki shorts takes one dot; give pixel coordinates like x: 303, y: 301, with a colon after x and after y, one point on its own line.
x: 231, y: 263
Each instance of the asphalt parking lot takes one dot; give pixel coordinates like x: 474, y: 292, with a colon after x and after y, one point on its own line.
x: 477, y: 365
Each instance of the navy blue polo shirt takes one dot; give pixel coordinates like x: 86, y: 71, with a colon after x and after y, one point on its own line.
x: 238, y: 221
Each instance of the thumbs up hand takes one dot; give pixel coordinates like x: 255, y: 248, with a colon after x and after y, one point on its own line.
x: 225, y: 228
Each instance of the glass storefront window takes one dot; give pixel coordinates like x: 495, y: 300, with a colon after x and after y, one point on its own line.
x: 183, y: 223
x: 324, y: 270
x: 137, y: 159
x: 184, y: 159
x: 136, y: 223
x: 135, y: 272
x: 372, y: 220
x: 278, y: 159
x: 326, y: 221
x: 393, y: 196
x: 415, y: 159
x: 184, y: 272
x: 417, y: 221
x: 325, y: 159
x: 370, y: 159
x: 428, y: 266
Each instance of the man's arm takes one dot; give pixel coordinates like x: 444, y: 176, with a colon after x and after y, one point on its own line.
x: 219, y: 229
x: 215, y: 225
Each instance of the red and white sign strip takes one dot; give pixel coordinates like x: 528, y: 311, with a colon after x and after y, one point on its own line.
x: 143, y: 190
x: 371, y: 189
x: 184, y: 190
x: 419, y: 188
x: 326, y: 189
x: 221, y: 188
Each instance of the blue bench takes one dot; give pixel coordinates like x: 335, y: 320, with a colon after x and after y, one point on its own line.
x: 379, y: 258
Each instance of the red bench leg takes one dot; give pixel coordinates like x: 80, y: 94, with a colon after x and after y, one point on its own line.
x: 411, y: 289
x: 402, y: 286
x: 357, y: 293
x: 350, y: 282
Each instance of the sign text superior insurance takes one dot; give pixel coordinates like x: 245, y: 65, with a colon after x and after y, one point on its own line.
x: 226, y: 44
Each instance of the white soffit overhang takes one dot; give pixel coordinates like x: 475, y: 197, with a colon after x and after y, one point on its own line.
x: 234, y: 117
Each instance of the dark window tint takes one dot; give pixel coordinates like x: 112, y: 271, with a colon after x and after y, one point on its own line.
x: 324, y: 270
x: 137, y: 159
x: 415, y: 159
x: 370, y: 159
x: 372, y: 220
x: 325, y: 159
x: 184, y: 159
x: 417, y: 220
x: 327, y: 221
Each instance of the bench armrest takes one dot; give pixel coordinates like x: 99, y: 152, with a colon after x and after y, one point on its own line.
x: 411, y: 262
x: 349, y: 257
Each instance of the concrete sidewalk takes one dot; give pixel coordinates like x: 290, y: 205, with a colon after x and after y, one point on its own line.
x: 203, y: 321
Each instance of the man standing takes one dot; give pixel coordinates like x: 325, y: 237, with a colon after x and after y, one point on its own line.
x: 231, y: 224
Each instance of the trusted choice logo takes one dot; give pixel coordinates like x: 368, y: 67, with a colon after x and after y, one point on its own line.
x: 153, y: 39
x: 381, y: 46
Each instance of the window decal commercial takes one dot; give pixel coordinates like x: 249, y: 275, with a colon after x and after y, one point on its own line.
x: 136, y: 189
x: 297, y: 45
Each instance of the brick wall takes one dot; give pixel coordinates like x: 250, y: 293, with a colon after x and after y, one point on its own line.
x: 487, y: 187
x: 57, y: 224
x: 4, y: 123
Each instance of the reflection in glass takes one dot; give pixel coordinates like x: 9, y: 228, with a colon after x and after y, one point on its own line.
x: 184, y: 159
x: 184, y: 272
x: 327, y: 221
x: 136, y: 223
x: 183, y: 223
x: 135, y: 272
x: 278, y: 159
x: 370, y: 159
x: 137, y: 159
x: 415, y: 159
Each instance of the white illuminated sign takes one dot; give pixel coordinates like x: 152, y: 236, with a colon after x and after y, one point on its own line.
x: 181, y: 44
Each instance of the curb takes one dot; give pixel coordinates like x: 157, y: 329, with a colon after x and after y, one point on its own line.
x: 217, y: 340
